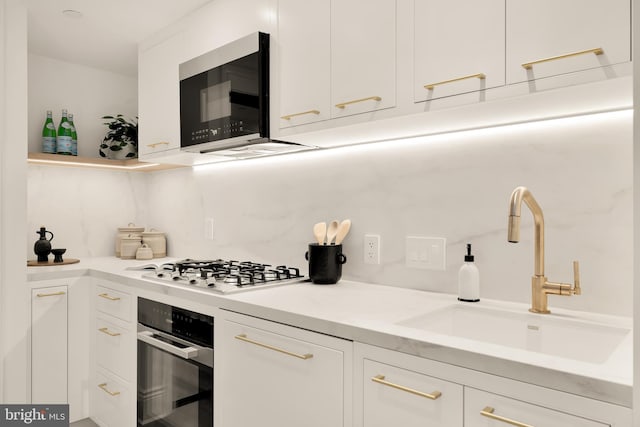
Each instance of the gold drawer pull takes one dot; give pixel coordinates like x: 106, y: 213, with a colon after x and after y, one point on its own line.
x: 54, y: 294
x: 480, y: 76
x: 243, y: 337
x: 110, y: 298
x: 380, y: 380
x: 111, y: 334
x: 104, y: 388
x: 529, y: 65
x: 155, y: 144
x: 355, y: 101
x: 290, y: 116
x: 488, y: 412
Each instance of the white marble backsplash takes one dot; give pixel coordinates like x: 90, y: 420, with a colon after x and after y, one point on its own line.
x: 455, y: 186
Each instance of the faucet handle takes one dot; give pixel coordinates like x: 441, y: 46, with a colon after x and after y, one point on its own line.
x: 577, y: 290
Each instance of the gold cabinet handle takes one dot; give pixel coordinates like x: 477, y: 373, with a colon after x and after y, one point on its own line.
x: 243, y: 337
x: 380, y: 380
x: 109, y: 297
x: 529, y: 65
x: 54, y: 294
x: 108, y: 332
x: 155, y: 144
x: 104, y: 388
x: 488, y: 412
x: 355, y: 101
x: 290, y: 116
x: 480, y: 76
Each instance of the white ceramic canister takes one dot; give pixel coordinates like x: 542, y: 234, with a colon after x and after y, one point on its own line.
x: 129, y: 246
x: 131, y: 229
x: 157, y: 241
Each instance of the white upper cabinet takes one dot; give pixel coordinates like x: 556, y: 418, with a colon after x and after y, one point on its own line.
x: 304, y: 77
x: 363, y: 56
x: 458, y: 47
x: 548, y: 29
x: 159, y: 97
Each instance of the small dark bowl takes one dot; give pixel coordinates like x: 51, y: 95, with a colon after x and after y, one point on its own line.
x: 57, y: 254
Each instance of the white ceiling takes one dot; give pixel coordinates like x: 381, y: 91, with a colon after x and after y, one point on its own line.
x: 107, y: 34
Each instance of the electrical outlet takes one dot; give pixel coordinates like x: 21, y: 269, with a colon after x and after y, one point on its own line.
x: 371, y: 249
x: 428, y: 253
x: 208, y: 228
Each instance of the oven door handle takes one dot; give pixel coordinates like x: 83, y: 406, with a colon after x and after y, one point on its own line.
x: 185, y: 353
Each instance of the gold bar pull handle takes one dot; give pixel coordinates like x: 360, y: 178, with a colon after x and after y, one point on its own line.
x: 290, y: 116
x: 480, y: 76
x: 596, y: 51
x: 109, y: 297
x: 155, y: 144
x: 53, y: 294
x: 380, y: 380
x: 108, y: 332
x: 489, y: 413
x: 104, y: 388
x: 243, y: 337
x: 355, y: 101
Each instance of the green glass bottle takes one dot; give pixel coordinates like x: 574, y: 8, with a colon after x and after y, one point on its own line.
x: 49, y: 135
x: 74, y: 136
x: 63, y: 140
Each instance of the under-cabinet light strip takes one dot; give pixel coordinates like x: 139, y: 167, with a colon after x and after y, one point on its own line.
x: 92, y: 165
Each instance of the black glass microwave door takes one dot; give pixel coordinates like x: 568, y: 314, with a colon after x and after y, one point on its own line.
x: 173, y: 392
x: 221, y: 103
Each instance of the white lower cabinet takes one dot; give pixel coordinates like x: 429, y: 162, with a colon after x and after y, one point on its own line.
x: 271, y: 375
x: 394, y: 388
x: 114, y: 342
x: 483, y: 409
x: 49, y: 345
x: 394, y: 396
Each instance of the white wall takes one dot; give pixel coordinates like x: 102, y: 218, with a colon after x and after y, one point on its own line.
x: 88, y: 93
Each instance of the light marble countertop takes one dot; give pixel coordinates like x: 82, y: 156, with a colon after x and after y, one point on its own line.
x: 370, y: 314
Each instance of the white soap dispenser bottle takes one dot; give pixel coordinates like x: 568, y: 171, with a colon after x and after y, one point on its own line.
x: 469, y: 279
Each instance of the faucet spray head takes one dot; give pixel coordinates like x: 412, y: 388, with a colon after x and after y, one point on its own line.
x: 513, y: 229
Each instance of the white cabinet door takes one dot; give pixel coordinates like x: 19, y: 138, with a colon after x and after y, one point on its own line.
x: 272, y: 380
x: 398, y: 397
x: 544, y: 29
x: 159, y: 97
x: 459, y: 47
x: 304, y: 76
x: 363, y: 56
x: 49, y: 345
x: 484, y: 409
x: 115, y: 349
x: 113, y: 401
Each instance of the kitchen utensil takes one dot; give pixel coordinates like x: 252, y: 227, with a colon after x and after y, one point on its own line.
x: 343, y: 229
x: 325, y: 263
x: 320, y: 231
x: 57, y: 254
x: 42, y: 247
x: 332, y: 230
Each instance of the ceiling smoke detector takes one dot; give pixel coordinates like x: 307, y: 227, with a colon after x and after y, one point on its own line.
x: 71, y: 13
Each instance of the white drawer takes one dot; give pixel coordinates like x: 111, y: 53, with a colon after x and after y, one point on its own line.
x: 483, y: 409
x: 113, y: 401
x: 115, y: 303
x: 115, y: 348
x: 395, y: 396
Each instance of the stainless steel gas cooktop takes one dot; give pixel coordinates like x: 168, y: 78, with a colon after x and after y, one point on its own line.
x: 225, y: 276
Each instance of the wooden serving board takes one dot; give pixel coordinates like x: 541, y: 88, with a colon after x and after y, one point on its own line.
x: 35, y: 263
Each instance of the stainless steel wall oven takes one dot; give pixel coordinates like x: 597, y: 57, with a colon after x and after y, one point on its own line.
x: 175, y: 366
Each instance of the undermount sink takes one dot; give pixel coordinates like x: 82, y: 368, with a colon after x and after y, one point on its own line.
x: 558, y: 336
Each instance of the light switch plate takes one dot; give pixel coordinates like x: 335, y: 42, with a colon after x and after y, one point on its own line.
x: 428, y: 253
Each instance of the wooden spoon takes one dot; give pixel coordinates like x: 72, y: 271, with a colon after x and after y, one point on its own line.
x: 332, y: 231
x: 320, y: 231
x: 343, y: 229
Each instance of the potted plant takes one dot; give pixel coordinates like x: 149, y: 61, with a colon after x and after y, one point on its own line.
x: 121, y: 141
